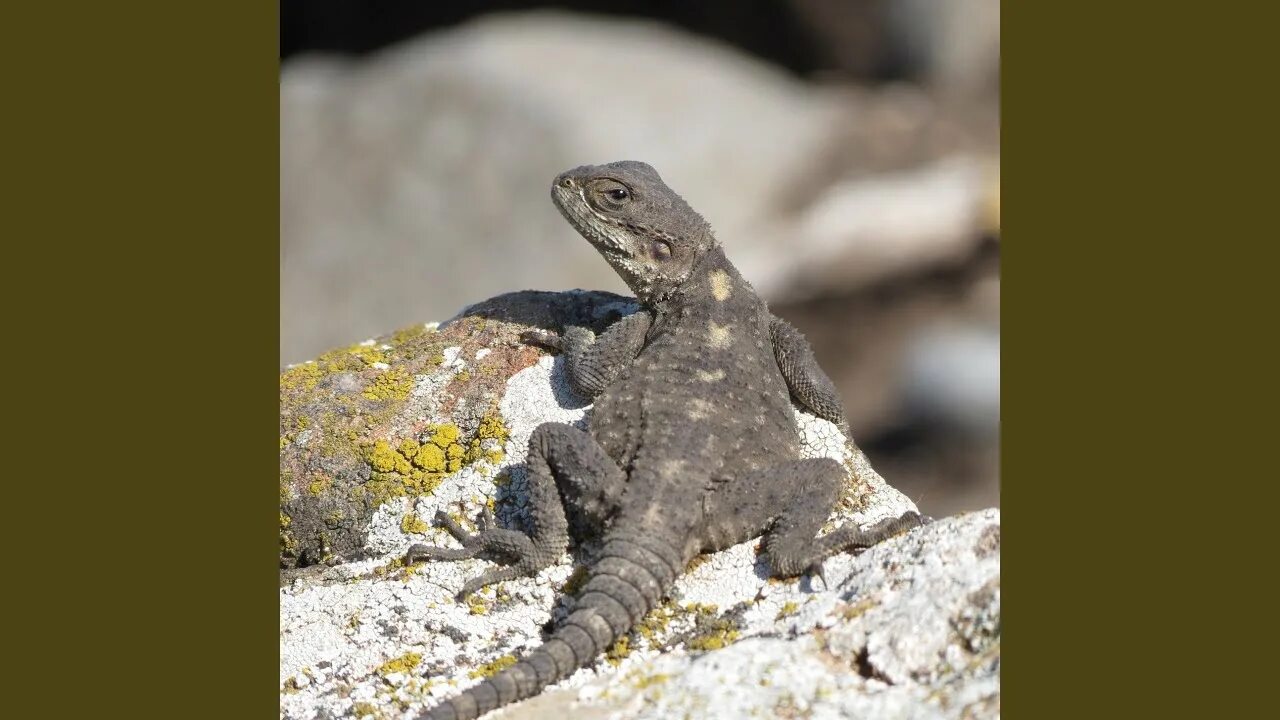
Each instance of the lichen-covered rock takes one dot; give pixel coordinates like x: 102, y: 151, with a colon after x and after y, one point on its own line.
x: 378, y: 437
x: 390, y: 418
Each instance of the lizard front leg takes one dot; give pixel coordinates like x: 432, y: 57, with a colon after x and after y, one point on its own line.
x: 593, y: 362
x: 808, y: 384
x: 564, y: 462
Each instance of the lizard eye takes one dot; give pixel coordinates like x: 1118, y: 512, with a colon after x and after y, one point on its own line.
x: 618, y: 194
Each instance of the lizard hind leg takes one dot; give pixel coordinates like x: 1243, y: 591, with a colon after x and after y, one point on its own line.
x: 563, y: 461
x: 791, y: 544
x: 571, y: 462
x: 790, y: 501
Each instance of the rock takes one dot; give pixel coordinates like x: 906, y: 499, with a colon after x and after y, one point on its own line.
x: 912, y: 630
x: 392, y: 417
x: 386, y: 433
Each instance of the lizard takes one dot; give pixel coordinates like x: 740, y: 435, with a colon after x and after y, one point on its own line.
x: 692, y: 444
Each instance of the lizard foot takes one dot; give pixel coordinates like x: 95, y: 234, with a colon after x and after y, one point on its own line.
x: 544, y: 338
x: 514, y: 550
x: 816, y: 572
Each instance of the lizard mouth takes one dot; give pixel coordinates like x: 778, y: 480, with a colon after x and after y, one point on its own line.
x: 597, y: 230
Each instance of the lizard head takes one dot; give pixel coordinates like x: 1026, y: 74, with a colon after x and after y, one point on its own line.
x: 647, y: 232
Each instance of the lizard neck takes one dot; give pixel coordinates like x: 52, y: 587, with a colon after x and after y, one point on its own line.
x: 711, y: 279
x: 713, y: 289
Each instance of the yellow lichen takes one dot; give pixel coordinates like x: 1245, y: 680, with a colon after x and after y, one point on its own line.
x: 430, y: 457
x: 288, y: 544
x: 657, y: 621
x: 645, y: 681
x: 381, y: 487
x: 303, y: 377
x: 407, y: 467
x: 368, y: 354
x: 788, y: 608
x: 404, y: 335
x: 318, y: 485
x: 620, y: 650
x: 395, y: 564
x: 364, y: 709
x: 855, y: 610
x: 382, y: 458
x: 408, y: 448
x: 404, y: 664
x: 717, y: 634
x: 477, y: 606
x: 712, y: 640
x: 444, y: 435
x: 412, y: 524
x: 393, y: 384
x: 492, y: 428
x: 714, y: 632
x: 285, y: 520
x: 422, y: 483
x: 491, y: 668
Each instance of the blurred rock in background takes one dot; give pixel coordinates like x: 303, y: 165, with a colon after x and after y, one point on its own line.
x: 847, y: 154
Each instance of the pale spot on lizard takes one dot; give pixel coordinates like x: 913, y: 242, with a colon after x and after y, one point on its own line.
x: 712, y: 376
x: 699, y: 409
x: 718, y: 336
x: 720, y: 288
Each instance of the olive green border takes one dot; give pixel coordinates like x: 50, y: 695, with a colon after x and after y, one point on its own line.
x: 141, y: 274
x: 1131, y: 225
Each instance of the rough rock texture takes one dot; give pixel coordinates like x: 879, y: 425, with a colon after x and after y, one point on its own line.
x: 390, y: 418
x: 377, y: 437
x: 429, y: 159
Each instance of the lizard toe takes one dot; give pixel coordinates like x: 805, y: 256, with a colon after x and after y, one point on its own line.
x: 543, y: 338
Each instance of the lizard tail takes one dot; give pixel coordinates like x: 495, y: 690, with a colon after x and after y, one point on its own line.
x: 627, y: 580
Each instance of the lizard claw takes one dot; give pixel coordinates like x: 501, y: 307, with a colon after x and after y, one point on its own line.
x: 816, y: 572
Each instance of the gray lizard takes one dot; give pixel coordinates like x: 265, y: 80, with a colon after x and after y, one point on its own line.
x: 693, y: 445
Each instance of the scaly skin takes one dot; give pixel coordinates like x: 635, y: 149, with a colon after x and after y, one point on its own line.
x: 692, y: 447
